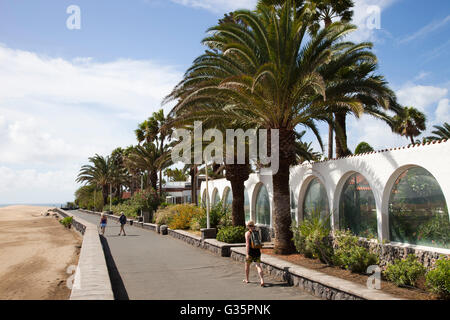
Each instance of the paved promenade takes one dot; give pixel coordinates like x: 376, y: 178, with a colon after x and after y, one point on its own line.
x: 145, y: 265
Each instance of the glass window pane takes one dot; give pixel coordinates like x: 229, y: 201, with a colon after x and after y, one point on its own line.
x: 418, y: 212
x: 293, y: 207
x: 204, y: 199
x: 357, y: 210
x: 228, y: 198
x: 246, y: 206
x: 263, y: 207
x: 316, y: 200
x: 216, y: 198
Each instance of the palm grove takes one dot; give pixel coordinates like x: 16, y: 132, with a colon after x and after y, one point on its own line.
x: 285, y: 65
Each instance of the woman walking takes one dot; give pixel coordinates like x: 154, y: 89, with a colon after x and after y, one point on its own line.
x: 103, y: 222
x: 253, y: 247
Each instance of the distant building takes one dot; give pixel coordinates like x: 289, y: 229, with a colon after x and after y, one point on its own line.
x: 180, y: 192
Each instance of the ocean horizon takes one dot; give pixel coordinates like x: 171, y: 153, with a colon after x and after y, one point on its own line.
x: 58, y: 205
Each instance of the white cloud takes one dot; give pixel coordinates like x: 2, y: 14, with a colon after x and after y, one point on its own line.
x: 218, y: 6
x: 362, y: 13
x: 443, y: 112
x: 56, y: 113
x: 419, y: 96
x: 433, y: 26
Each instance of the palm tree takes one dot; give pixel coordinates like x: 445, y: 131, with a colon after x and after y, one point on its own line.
x: 176, y: 174
x: 99, y: 173
x: 147, y: 157
x: 409, y: 122
x: 441, y: 132
x: 350, y: 77
x: 323, y: 11
x: 154, y: 130
x: 263, y: 72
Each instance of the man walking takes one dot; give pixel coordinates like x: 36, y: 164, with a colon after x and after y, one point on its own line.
x: 123, y: 222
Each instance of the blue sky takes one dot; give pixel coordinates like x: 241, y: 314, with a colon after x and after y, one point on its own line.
x: 68, y: 94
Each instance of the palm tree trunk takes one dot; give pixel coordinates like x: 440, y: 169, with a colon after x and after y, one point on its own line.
x: 341, y: 134
x: 105, y: 194
x: 330, y: 142
x: 153, y: 175
x: 193, y: 189
x: 237, y: 174
x: 281, y: 194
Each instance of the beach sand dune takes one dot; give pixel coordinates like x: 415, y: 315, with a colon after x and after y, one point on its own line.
x: 35, y: 252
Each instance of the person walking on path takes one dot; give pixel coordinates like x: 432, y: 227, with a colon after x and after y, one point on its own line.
x: 123, y: 222
x: 103, y: 222
x: 253, y: 247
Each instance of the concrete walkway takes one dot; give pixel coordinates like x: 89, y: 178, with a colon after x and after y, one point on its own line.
x: 147, y: 266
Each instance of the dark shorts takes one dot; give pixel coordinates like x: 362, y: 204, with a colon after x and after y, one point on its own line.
x: 254, y: 256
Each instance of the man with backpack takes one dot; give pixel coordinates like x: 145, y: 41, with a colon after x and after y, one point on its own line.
x: 123, y: 222
x: 253, y: 247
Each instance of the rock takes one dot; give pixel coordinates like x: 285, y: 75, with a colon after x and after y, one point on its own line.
x: 164, y: 230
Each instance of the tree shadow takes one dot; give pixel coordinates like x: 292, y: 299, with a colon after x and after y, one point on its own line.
x: 118, y: 287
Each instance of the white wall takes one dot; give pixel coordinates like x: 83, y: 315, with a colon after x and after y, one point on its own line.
x: 381, y: 169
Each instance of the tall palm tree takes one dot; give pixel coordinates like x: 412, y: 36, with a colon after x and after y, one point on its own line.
x: 323, y: 11
x: 263, y: 72
x: 441, y: 132
x: 99, y: 174
x: 147, y: 157
x: 410, y: 123
x: 154, y: 130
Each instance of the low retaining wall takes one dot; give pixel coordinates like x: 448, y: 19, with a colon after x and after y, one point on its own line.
x: 92, y: 280
x: 316, y: 283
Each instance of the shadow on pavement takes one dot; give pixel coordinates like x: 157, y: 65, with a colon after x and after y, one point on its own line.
x: 120, y: 293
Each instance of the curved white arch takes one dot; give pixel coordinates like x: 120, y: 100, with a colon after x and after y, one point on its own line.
x: 215, y: 193
x: 388, y: 189
x: 302, y: 194
x: 337, y: 199
x: 254, y: 197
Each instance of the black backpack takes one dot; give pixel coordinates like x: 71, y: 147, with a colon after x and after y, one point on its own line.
x: 123, y: 219
x: 255, y: 240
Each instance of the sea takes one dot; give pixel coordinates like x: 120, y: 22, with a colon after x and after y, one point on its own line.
x: 58, y: 205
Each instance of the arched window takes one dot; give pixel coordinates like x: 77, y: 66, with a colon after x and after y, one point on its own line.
x: 262, y: 206
x: 246, y: 206
x: 357, y: 209
x: 293, y: 207
x: 227, y: 198
x: 204, y: 199
x: 418, y: 212
x: 216, y: 197
x: 316, y: 200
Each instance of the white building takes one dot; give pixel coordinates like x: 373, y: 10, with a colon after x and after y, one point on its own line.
x: 396, y: 195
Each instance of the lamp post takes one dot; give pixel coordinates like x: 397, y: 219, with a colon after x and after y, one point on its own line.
x: 110, y: 197
x: 208, y: 226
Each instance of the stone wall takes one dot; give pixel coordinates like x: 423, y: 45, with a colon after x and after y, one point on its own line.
x: 92, y: 280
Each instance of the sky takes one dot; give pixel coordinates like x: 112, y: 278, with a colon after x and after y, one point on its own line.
x: 67, y: 94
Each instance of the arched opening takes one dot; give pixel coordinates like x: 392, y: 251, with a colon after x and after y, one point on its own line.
x: 293, y: 207
x: 418, y: 212
x: 204, y: 199
x: 227, y: 198
x: 215, y: 197
x: 316, y: 200
x: 357, y: 208
x: 246, y: 206
x: 262, y: 207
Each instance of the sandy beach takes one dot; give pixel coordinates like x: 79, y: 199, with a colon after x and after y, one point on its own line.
x: 35, y: 252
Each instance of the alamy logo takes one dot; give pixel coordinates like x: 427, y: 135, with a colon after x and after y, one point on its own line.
x: 237, y: 141
x: 74, y: 281
x: 73, y: 22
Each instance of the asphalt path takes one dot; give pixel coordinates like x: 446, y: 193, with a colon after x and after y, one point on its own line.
x: 145, y: 265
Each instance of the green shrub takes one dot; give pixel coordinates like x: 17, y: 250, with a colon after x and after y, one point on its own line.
x: 130, y: 209
x: 405, y: 272
x: 350, y: 255
x: 219, y: 216
x: 66, y: 222
x: 230, y: 234
x: 312, y: 238
x: 438, y: 279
